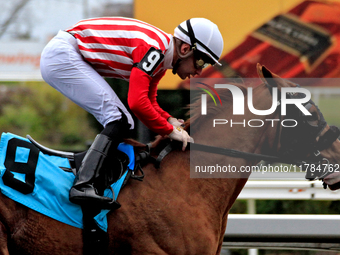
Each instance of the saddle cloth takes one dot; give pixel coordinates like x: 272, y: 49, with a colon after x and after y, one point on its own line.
x: 47, y: 185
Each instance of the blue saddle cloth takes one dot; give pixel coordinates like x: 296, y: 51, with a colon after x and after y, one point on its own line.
x: 46, y: 184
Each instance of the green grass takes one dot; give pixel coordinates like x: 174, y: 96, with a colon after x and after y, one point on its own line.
x: 329, y: 107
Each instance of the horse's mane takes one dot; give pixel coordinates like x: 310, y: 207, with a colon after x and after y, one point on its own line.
x: 159, y: 142
x: 195, y: 108
x: 137, y: 144
x: 195, y: 115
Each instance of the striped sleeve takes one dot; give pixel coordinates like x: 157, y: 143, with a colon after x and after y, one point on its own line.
x: 113, y: 45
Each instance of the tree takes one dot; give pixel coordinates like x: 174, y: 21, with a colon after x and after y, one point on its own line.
x: 18, y: 6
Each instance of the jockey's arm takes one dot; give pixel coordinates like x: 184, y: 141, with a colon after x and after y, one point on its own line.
x: 153, y: 98
x: 153, y: 95
x: 139, y: 101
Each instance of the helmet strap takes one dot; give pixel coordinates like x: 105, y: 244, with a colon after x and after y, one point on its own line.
x: 191, y: 35
x: 176, y: 65
x: 181, y: 56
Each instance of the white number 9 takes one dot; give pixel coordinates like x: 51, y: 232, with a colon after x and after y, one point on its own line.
x: 152, y: 60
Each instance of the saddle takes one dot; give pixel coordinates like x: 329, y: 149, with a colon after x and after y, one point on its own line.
x: 119, y: 162
x: 40, y: 178
x: 94, y: 238
x: 118, y: 167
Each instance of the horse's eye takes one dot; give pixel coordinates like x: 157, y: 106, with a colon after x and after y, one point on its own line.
x: 314, y: 116
x: 312, y: 119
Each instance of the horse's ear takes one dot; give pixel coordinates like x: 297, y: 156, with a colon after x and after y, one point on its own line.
x: 271, y: 78
x: 266, y: 75
x: 263, y: 73
x: 259, y: 71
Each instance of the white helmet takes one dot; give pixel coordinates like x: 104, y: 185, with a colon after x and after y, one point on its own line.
x: 203, y: 35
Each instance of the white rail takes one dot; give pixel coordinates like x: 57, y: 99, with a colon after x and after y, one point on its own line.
x: 306, y: 232
x: 20, y: 76
x: 287, y: 190
x: 270, y: 231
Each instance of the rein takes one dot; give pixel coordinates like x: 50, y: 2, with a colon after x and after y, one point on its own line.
x: 329, y: 137
x: 240, y: 154
x: 324, y: 142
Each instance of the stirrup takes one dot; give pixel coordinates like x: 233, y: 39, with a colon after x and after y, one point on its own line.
x: 113, y: 205
x: 87, y: 196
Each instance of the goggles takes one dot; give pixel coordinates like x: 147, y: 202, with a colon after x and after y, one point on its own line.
x: 201, y: 60
x: 200, y: 64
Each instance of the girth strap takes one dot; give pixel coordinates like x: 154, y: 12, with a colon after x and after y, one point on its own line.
x: 95, y: 239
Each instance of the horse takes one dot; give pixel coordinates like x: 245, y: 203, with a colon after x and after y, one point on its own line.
x: 332, y: 153
x: 169, y: 212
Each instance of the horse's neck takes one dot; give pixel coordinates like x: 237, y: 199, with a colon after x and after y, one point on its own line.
x: 332, y: 153
x: 221, y: 192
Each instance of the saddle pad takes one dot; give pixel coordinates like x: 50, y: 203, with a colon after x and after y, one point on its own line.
x: 37, y: 180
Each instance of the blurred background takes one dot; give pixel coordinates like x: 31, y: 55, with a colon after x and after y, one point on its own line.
x: 293, y: 38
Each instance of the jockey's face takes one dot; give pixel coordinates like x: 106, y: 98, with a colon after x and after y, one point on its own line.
x: 187, y: 67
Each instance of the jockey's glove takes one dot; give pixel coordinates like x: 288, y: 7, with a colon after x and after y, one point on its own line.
x: 332, y: 178
x: 179, y: 134
x: 175, y: 122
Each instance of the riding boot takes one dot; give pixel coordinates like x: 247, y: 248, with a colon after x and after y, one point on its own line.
x: 83, y: 191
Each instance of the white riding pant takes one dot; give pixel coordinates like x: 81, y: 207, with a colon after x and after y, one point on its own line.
x: 63, y: 67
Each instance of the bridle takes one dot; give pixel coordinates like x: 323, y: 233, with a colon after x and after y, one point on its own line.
x: 294, y: 146
x: 291, y: 145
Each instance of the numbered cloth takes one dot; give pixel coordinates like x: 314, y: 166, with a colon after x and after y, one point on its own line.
x: 39, y: 182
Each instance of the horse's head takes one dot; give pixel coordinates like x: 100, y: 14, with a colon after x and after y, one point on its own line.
x: 307, y: 138
x: 280, y: 121
x: 295, y: 136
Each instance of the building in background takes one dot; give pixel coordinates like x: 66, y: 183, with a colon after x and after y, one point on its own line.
x: 293, y: 38
x: 303, y: 42
x: 27, y: 25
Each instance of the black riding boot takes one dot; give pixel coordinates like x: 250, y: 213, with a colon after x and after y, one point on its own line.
x: 83, y: 191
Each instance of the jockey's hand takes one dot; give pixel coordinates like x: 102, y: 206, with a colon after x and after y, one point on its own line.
x: 333, y: 181
x: 332, y: 178
x: 179, y: 134
x: 175, y: 122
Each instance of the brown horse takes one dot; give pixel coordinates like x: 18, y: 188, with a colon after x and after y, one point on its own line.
x: 332, y: 153
x: 169, y: 212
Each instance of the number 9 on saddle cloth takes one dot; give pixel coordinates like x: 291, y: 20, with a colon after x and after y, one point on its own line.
x: 40, y: 179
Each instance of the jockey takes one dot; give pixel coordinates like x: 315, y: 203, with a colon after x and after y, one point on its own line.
x: 75, y: 61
